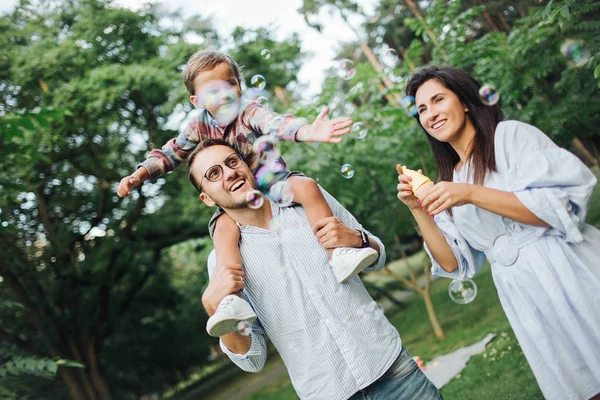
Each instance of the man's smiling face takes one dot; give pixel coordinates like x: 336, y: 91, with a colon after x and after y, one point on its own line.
x: 230, y: 190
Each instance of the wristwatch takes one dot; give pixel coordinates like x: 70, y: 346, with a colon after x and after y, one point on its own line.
x: 364, y: 238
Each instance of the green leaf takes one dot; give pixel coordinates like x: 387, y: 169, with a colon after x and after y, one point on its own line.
x: 70, y: 363
x: 597, y: 72
x: 51, y: 366
x: 564, y: 11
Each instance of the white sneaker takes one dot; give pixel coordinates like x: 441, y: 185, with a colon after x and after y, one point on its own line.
x: 230, y: 312
x: 347, y: 262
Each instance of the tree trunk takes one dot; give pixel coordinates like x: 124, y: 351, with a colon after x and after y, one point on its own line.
x: 419, y: 16
x: 424, y: 292
x: 435, y: 323
x: 584, y: 153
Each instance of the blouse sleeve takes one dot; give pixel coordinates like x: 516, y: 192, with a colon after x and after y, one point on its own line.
x: 549, y: 180
x: 469, y: 260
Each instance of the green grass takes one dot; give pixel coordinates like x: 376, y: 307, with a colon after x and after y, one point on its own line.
x: 501, y: 373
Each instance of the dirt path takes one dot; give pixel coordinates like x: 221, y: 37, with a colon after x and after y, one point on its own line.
x: 245, y: 384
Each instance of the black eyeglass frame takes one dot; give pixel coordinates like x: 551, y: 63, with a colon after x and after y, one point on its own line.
x: 237, y: 156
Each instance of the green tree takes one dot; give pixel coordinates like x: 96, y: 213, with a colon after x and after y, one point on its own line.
x: 88, y: 267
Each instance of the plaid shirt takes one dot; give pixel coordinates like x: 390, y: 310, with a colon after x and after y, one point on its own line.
x: 252, y: 122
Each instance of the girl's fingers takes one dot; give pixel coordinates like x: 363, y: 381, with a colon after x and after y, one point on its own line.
x: 404, y: 178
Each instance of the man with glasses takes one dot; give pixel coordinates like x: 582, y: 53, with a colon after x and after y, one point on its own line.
x: 334, y: 340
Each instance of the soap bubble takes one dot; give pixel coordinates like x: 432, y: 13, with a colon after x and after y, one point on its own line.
x: 255, y: 199
x: 462, y: 291
x: 274, y: 224
x: 359, y: 130
x: 409, y: 106
x: 281, y: 193
x: 370, y: 311
x: 269, y: 173
x: 347, y: 171
x: 345, y: 69
x: 263, y: 101
x: 244, y: 328
x: 265, y: 54
x: 488, y: 95
x: 258, y: 81
x: 390, y: 57
x: 575, y: 52
x: 263, y: 145
x: 221, y: 99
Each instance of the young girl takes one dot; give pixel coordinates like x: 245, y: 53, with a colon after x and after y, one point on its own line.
x: 507, y: 193
x: 213, y: 81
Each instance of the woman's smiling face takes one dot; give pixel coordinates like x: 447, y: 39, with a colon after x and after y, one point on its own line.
x: 441, y: 112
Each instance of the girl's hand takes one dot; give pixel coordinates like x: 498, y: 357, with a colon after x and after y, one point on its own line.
x: 444, y: 195
x: 405, y: 193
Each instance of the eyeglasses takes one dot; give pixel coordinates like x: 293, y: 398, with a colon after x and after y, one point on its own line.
x: 215, y: 173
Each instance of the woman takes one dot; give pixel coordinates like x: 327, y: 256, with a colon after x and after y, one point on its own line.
x: 507, y: 193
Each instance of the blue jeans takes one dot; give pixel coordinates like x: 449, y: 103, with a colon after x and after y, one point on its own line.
x: 402, y: 381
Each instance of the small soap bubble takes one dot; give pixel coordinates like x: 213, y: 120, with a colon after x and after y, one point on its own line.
x: 244, y: 328
x: 359, y: 130
x: 221, y: 99
x: 575, y: 52
x: 263, y: 144
x: 370, y: 311
x: 390, y: 57
x: 347, y: 171
x: 345, y: 69
x: 255, y: 199
x: 258, y: 81
x: 488, y: 95
x: 409, y: 106
x: 281, y: 193
x: 462, y: 291
x: 265, y: 54
x: 274, y: 224
x: 263, y: 101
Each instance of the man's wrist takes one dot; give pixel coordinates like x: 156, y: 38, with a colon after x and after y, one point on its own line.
x: 363, y: 239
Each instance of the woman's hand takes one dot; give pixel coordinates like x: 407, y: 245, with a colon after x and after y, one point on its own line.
x: 444, y: 195
x: 405, y: 193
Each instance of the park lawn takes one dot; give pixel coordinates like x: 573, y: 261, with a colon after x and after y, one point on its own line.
x: 501, y: 373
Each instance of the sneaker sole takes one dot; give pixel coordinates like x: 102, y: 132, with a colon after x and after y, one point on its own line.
x: 360, y: 267
x: 228, y: 325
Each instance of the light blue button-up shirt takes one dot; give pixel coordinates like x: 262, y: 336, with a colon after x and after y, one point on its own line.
x: 332, y: 338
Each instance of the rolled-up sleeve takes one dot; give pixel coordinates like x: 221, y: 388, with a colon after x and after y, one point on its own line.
x: 255, y: 358
x: 260, y: 119
x: 174, y: 152
x: 549, y: 180
x: 469, y: 260
x: 348, y: 219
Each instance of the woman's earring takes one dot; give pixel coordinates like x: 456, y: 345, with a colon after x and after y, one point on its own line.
x: 466, y: 110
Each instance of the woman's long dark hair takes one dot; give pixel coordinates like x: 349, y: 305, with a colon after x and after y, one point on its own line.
x: 484, y: 118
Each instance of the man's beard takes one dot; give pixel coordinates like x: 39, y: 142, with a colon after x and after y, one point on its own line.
x: 227, y: 201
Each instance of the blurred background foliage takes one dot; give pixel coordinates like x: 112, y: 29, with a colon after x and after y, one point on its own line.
x: 87, y: 88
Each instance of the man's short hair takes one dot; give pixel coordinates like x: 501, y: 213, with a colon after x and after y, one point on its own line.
x: 206, y: 60
x: 204, y: 145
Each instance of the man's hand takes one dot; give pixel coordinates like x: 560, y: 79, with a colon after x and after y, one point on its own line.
x: 325, y: 130
x: 332, y: 233
x: 225, y: 280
